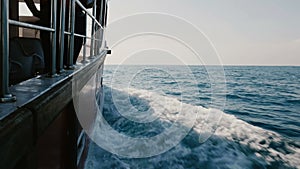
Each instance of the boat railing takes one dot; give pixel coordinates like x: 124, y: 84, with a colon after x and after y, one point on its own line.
x: 5, y: 94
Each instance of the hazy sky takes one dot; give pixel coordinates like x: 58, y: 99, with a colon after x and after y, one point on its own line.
x: 244, y: 32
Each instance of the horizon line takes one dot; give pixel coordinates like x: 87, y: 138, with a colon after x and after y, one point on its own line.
x: 203, y: 65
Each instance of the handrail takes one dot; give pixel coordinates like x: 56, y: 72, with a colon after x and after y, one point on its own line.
x: 82, y: 36
x: 94, y: 20
x: 5, y: 95
x: 28, y: 25
x: 87, y: 12
x: 52, y: 29
x: 72, y: 33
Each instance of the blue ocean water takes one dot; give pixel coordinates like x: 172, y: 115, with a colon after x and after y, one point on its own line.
x: 259, y: 127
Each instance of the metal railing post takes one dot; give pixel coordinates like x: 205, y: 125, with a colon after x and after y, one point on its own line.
x: 62, y: 35
x: 71, y: 37
x: 97, y: 28
x: 101, y: 28
x: 84, y: 44
x: 5, y: 95
x: 100, y: 11
x: 94, y: 28
x: 92, y: 33
x: 53, y: 37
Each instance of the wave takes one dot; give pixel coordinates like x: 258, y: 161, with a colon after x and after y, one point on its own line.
x: 234, y: 143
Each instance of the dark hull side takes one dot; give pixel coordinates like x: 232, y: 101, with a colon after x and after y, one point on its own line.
x: 41, y: 129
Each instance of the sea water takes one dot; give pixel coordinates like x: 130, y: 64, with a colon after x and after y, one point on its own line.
x: 259, y: 126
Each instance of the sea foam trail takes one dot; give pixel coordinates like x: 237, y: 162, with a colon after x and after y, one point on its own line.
x: 234, y: 142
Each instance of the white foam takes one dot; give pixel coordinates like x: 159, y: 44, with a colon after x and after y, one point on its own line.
x: 230, y: 129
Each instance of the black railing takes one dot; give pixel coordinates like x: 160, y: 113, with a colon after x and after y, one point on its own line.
x: 5, y: 95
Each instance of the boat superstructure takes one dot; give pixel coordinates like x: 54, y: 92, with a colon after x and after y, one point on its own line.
x: 38, y: 123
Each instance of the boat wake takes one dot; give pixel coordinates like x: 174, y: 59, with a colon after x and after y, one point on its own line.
x: 233, y: 144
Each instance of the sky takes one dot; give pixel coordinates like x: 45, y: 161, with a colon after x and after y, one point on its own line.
x: 242, y: 32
